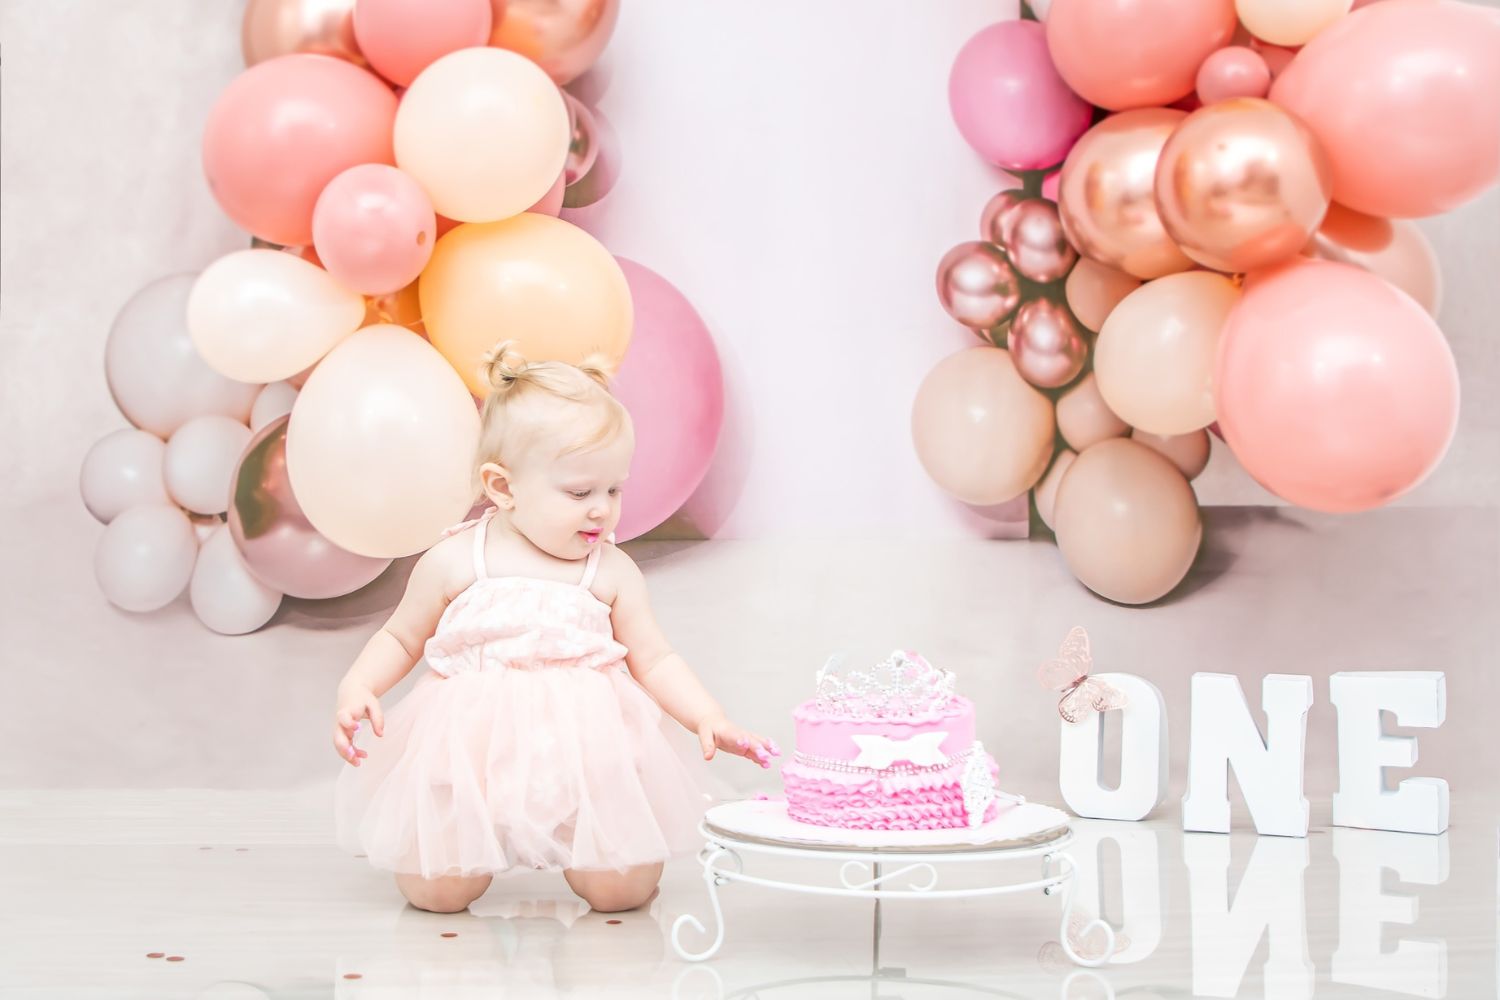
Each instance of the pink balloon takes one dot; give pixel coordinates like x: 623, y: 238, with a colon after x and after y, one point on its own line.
x: 1123, y: 54
x: 552, y: 202
x: 1009, y: 102
x: 373, y: 228
x: 1052, y: 185
x: 1334, y: 390
x: 1233, y: 71
x: 672, y: 384
x: 1405, y: 98
x: 401, y: 38
x: 282, y: 130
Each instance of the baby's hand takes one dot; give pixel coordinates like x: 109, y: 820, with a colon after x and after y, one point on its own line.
x: 354, y: 704
x: 717, y: 732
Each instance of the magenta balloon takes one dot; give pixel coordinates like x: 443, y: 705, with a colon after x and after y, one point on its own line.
x: 279, y: 545
x: 672, y: 384
x: 1336, y: 391
x: 1009, y: 102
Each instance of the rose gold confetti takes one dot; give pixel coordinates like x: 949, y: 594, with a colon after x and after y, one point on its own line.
x: 174, y: 958
x: 359, y: 855
x: 242, y: 848
x: 611, y: 921
x: 205, y: 848
x: 450, y: 934
x: 156, y: 954
x: 353, y: 975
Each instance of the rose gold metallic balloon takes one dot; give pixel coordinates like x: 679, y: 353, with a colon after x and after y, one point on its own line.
x: 583, y: 146
x: 1047, y: 345
x: 1242, y: 184
x: 993, y: 221
x: 564, y: 37
x: 602, y: 148
x: 274, y: 28
x: 1035, y: 241
x: 977, y: 285
x: 1107, y: 196
x: 278, y: 544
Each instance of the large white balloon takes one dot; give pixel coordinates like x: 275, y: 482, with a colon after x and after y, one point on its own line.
x: 224, y: 594
x: 122, y: 470
x: 145, y: 557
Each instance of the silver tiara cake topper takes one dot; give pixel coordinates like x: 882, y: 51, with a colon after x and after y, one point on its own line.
x: 903, y: 684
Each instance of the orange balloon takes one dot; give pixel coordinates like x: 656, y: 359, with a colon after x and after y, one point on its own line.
x: 401, y: 308
x: 982, y: 432
x: 534, y: 279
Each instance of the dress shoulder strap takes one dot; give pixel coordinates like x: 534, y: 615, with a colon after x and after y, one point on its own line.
x: 591, y: 565
x: 479, y: 533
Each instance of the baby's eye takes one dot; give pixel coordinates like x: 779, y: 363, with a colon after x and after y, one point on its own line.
x: 579, y: 494
x: 614, y: 491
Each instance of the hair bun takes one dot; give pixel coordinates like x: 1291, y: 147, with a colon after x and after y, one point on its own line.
x: 598, y: 366
x: 503, y: 365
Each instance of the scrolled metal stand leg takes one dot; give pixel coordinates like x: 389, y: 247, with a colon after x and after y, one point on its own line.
x: 711, y: 880
x: 1065, y: 885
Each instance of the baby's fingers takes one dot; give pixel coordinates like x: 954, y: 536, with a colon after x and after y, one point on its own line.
x: 377, y: 718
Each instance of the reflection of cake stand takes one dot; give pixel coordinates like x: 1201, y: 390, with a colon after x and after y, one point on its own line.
x: 761, y: 829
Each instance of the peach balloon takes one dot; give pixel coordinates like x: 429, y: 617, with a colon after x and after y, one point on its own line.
x: 264, y: 315
x: 1155, y: 356
x: 982, y: 433
x: 1403, y: 257
x: 1405, y: 98
x: 1289, y: 22
x: 506, y: 117
x: 1241, y: 185
x: 538, y: 280
x: 1123, y: 54
x: 1045, y: 492
x: 1189, y: 452
x: 1233, y: 71
x: 380, y: 446
x: 1084, y: 419
x: 1093, y: 291
x: 1127, y: 522
x: 1107, y: 194
x: 1335, y: 390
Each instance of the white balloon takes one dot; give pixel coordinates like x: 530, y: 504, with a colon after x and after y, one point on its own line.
x: 145, y: 557
x: 275, y: 400
x: 200, y: 462
x: 123, y: 469
x: 225, y: 596
x: 157, y: 378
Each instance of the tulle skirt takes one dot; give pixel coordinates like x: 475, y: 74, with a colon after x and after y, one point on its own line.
x: 503, y: 770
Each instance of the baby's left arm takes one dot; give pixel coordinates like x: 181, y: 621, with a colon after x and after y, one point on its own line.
x: 666, y: 675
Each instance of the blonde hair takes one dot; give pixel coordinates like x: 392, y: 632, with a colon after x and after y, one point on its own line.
x: 516, y: 412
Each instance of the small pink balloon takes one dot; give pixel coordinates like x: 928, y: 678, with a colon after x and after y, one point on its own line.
x: 672, y: 385
x: 401, y: 38
x: 373, y: 228
x: 977, y: 285
x: 1051, y: 184
x: 551, y: 202
x: 282, y: 130
x: 1233, y: 71
x: 1009, y: 102
x: 1037, y: 246
x: 1047, y: 345
x: 1334, y: 390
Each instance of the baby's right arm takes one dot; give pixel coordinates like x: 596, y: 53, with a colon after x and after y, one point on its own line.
x: 393, y: 650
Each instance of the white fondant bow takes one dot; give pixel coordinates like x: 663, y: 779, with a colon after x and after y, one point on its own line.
x: 881, y: 751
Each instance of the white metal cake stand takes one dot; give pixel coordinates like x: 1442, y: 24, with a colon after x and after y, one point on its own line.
x: 761, y: 829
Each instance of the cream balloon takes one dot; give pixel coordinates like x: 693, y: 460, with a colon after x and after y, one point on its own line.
x: 1127, y: 522
x: 145, y: 557
x: 264, y: 315
x: 275, y: 400
x: 1289, y: 22
x: 1189, y: 452
x: 1154, y: 358
x: 380, y: 447
x: 485, y: 132
x: 1045, y: 492
x: 224, y: 594
x: 1084, y: 419
x: 199, y: 463
x: 1093, y: 290
x: 122, y: 470
x: 981, y: 431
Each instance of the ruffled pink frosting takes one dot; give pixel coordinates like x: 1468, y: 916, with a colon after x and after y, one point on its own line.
x: 932, y: 800
x: 522, y: 623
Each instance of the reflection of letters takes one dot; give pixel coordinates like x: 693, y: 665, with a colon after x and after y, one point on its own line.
x: 1138, y: 932
x: 1143, y: 755
x: 1418, y: 698
x: 1270, y: 898
x: 1269, y: 770
x: 1415, y: 967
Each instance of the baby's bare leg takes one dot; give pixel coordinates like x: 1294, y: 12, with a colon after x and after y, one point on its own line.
x: 610, y: 891
x: 445, y: 894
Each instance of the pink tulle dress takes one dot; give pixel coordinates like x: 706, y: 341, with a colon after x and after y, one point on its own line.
x: 526, y: 745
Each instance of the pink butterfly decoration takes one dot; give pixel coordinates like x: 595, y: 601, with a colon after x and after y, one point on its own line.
x: 1069, y: 673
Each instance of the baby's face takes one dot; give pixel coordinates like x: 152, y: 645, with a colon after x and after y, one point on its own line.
x: 568, y: 504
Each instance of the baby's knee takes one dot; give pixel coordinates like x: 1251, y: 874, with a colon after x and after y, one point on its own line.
x: 449, y: 894
x: 611, y: 893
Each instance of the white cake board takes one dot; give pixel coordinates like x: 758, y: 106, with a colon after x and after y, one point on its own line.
x: 1019, y: 824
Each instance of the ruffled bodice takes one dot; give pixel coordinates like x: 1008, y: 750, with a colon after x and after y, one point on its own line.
x: 523, y: 623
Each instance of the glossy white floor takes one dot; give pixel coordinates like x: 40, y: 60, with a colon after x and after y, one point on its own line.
x: 169, y: 789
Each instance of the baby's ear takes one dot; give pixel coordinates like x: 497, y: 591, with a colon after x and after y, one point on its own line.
x: 494, y: 478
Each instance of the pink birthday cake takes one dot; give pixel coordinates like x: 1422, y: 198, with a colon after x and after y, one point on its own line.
x: 889, y: 749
